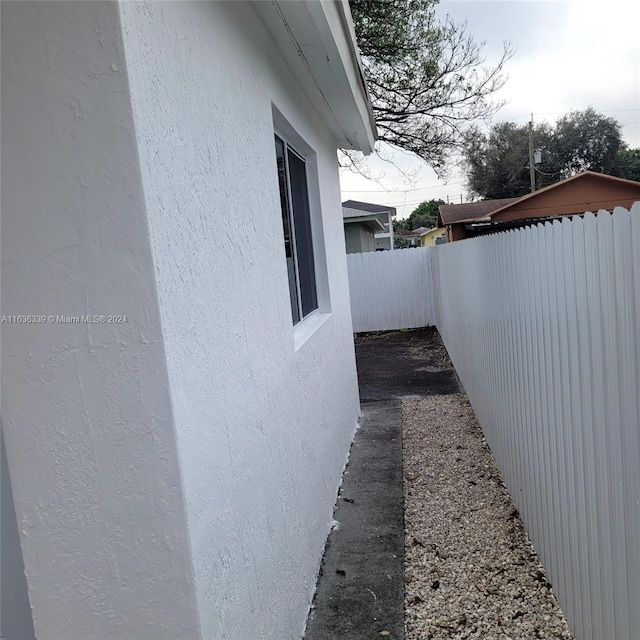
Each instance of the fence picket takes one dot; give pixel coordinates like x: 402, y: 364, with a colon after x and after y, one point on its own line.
x: 391, y: 289
x: 542, y: 326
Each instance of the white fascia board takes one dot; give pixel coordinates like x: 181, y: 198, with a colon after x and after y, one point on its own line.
x: 316, y: 38
x: 349, y: 70
x: 370, y: 220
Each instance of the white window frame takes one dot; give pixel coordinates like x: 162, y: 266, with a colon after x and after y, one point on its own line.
x: 282, y: 127
x: 298, y: 206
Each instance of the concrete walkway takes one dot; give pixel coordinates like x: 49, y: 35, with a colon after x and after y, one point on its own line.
x: 360, y: 591
x: 400, y: 364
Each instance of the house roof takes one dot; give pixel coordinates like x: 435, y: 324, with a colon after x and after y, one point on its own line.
x: 596, y: 191
x: 576, y: 194
x: 431, y: 231
x: 318, y: 44
x: 453, y: 213
x: 356, y: 205
x: 405, y: 233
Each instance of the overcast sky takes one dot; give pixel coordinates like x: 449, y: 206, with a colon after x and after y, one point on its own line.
x: 569, y: 55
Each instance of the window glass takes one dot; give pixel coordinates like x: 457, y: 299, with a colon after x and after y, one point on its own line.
x: 296, y: 226
x: 286, y: 227
x: 304, y: 241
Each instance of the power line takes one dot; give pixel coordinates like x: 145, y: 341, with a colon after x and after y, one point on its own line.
x: 435, y: 186
x: 402, y: 204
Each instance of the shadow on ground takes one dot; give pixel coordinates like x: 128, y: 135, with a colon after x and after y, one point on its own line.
x: 360, y: 590
x: 396, y: 364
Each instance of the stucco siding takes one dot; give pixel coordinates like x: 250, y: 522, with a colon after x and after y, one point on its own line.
x: 264, y: 412
x: 187, y: 458
x: 429, y: 239
x: 87, y: 423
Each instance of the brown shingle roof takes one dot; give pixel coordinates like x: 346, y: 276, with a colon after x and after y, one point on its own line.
x: 452, y: 213
x: 405, y: 233
x: 473, y: 211
x: 586, y: 175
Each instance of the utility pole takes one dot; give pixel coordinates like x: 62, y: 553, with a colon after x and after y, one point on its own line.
x: 532, y: 171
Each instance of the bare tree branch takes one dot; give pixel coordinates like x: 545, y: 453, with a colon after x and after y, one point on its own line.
x: 428, y: 81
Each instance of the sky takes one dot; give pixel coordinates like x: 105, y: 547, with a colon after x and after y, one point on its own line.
x: 570, y: 54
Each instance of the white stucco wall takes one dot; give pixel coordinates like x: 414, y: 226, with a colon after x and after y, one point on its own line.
x: 263, y: 417
x: 86, y: 416
x: 173, y: 475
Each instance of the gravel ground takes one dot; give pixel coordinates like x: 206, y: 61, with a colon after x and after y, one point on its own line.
x: 470, y: 570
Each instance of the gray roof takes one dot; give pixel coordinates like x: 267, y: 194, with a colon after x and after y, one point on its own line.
x: 368, y: 207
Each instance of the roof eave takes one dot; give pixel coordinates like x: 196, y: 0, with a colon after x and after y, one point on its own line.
x: 578, y: 176
x: 368, y: 207
x: 318, y: 42
x: 371, y: 220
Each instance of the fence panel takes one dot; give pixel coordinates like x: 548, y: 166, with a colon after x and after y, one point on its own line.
x: 391, y: 289
x: 542, y: 327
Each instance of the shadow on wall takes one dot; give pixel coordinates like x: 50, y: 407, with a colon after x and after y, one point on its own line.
x: 15, y: 610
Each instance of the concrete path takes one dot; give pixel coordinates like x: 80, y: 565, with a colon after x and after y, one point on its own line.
x: 398, y: 364
x: 360, y: 591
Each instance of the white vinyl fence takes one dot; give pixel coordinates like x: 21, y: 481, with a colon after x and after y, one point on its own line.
x: 391, y: 289
x: 542, y: 325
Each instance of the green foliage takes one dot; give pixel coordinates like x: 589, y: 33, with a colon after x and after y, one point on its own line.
x: 424, y: 215
x: 404, y: 224
x: 586, y: 140
x: 497, y: 163
x: 427, y: 80
x: 627, y: 164
x: 400, y: 243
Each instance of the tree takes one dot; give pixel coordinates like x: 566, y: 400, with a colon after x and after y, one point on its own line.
x: 424, y: 215
x: 427, y: 80
x: 627, y: 164
x: 400, y: 242
x: 586, y: 140
x: 497, y: 162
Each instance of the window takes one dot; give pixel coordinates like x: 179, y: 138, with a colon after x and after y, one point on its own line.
x: 296, y: 225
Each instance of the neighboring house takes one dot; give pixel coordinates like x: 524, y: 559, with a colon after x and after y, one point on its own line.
x: 412, y: 237
x: 360, y: 230
x: 179, y: 390
x: 586, y: 191
x: 384, y: 238
x: 453, y: 217
x: 433, y: 236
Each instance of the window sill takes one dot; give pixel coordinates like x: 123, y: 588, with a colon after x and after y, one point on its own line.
x: 305, y: 329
